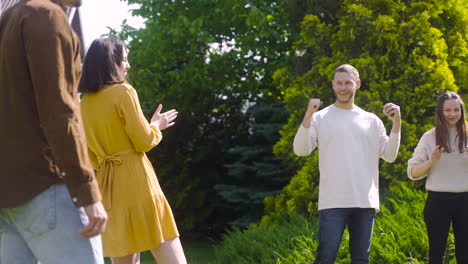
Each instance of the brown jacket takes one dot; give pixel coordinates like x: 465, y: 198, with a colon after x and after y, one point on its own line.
x: 42, y: 138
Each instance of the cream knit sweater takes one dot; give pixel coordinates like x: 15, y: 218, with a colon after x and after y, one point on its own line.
x: 350, y: 143
x: 450, y: 172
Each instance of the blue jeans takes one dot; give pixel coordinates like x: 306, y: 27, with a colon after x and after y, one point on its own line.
x: 332, y: 223
x: 46, y: 229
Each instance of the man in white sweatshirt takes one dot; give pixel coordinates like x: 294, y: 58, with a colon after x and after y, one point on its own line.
x: 350, y: 142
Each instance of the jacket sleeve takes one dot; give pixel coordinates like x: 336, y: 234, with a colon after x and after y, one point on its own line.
x: 53, y: 59
x: 93, y: 158
x: 142, y: 135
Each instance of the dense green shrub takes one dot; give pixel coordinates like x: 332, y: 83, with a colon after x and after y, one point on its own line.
x: 261, y: 244
x: 399, y: 237
x: 407, y: 52
x: 399, y: 234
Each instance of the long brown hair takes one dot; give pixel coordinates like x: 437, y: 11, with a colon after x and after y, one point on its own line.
x: 442, y: 132
x: 101, y: 65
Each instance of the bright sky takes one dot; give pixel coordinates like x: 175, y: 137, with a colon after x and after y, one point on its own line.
x: 97, y: 15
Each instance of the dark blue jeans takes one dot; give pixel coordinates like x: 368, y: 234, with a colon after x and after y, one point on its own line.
x: 332, y: 223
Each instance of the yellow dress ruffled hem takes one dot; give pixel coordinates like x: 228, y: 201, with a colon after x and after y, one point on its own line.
x: 146, y: 227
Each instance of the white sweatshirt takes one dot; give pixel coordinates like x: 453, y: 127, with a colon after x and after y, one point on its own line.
x: 450, y: 172
x: 350, y: 143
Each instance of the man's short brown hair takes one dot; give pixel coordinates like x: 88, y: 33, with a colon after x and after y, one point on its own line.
x: 349, y: 69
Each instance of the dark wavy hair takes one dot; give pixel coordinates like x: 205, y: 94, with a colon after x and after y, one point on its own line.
x: 101, y: 65
x: 442, y: 132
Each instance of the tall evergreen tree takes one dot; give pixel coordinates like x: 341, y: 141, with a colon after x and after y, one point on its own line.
x: 255, y: 172
x: 209, y: 59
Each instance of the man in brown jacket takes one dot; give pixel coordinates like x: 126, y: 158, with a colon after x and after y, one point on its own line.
x: 50, y: 205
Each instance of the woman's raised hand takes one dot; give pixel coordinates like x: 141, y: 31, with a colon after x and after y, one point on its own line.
x: 163, y: 120
x: 437, y: 153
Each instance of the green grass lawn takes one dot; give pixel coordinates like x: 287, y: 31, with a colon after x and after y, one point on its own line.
x: 196, y: 252
x: 199, y: 251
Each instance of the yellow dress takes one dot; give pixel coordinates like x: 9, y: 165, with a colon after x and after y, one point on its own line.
x: 118, y: 135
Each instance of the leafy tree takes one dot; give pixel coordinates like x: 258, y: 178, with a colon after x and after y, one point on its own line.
x: 210, y: 60
x: 407, y: 52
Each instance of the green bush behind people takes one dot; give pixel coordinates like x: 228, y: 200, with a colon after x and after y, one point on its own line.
x: 407, y: 52
x: 399, y: 237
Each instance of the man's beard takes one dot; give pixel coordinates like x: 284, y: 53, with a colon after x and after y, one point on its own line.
x: 349, y: 95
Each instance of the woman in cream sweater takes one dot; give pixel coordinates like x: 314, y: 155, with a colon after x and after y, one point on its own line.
x: 442, y: 156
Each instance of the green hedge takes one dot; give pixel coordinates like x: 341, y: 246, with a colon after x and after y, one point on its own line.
x: 407, y: 52
x: 261, y: 244
x: 399, y: 237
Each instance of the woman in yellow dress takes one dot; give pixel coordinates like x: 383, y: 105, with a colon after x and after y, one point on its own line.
x: 118, y: 136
